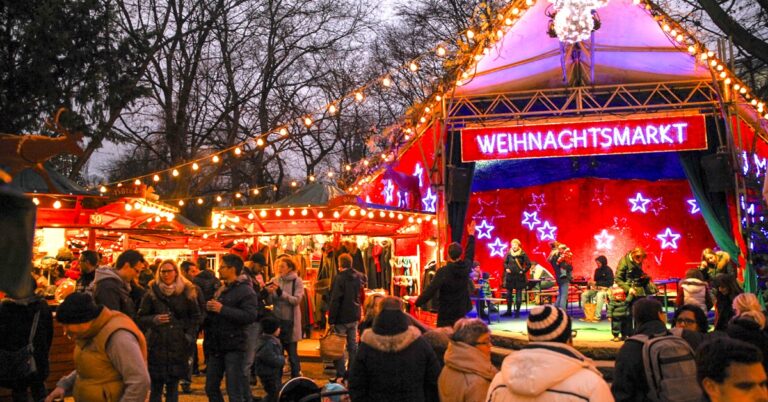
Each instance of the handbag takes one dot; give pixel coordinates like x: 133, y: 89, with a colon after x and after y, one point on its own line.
x: 332, y: 345
x: 20, y: 364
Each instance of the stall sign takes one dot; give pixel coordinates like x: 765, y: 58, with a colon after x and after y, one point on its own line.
x: 582, y: 138
x: 129, y: 191
x: 337, y: 227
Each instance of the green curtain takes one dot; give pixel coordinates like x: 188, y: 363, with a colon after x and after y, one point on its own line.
x: 721, y: 233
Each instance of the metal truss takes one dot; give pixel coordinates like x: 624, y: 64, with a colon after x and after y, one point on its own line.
x: 581, y: 101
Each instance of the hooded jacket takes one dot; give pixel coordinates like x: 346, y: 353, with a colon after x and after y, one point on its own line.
x: 112, y: 291
x: 695, y: 292
x: 547, y: 371
x: 401, y: 367
x: 225, y: 331
x: 345, y: 297
x: 452, y: 284
x: 208, y: 283
x: 466, y: 375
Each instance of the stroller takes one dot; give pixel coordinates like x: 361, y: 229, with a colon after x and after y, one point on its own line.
x: 303, y: 389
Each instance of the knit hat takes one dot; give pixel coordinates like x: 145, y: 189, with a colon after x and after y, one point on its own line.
x: 548, y: 324
x: 391, y: 320
x: 78, y: 308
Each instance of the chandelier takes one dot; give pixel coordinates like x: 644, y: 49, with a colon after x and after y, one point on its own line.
x: 574, y: 20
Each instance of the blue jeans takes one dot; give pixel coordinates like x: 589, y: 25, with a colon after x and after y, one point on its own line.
x: 350, y: 329
x: 562, y: 294
x: 230, y: 363
x: 599, y: 296
x: 252, y: 333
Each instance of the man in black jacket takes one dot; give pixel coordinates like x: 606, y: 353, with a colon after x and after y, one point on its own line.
x: 88, y: 262
x: 598, y: 288
x: 452, y: 283
x: 232, y: 309
x: 116, y: 288
x: 344, y: 310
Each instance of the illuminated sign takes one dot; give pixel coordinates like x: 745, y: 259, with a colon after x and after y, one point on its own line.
x: 629, y: 136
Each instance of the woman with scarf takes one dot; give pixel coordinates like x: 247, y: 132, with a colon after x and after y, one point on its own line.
x: 516, y: 267
x: 169, y: 315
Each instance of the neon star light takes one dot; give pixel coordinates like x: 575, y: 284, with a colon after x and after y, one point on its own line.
x: 498, y: 248
x: 389, y: 188
x: 694, y: 206
x: 604, y: 240
x: 530, y: 219
x: 639, y: 203
x: 484, y: 230
x: 418, y: 171
x: 429, y: 201
x: 668, y: 239
x: 546, y: 231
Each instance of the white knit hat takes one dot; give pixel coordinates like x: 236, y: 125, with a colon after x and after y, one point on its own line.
x: 548, y: 324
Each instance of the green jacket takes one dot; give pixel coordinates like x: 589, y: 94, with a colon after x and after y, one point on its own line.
x: 629, y: 275
x: 619, y: 309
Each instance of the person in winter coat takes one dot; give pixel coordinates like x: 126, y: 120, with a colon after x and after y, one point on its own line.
x: 619, y: 314
x: 468, y: 370
x: 695, y: 291
x: 452, y: 283
x: 232, y: 309
x: 714, y: 263
x: 393, y: 362
x: 599, y: 288
x: 207, y: 281
x: 170, y: 316
x: 286, y: 295
x: 344, y: 310
x: 560, y: 259
x: 114, y: 288
x: 516, y: 267
x: 548, y: 368
x: 269, y: 358
x: 749, y: 323
x: 691, y: 321
x: 88, y: 263
x: 726, y: 289
x: 17, y: 317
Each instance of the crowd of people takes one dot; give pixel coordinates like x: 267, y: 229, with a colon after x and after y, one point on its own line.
x: 134, y: 342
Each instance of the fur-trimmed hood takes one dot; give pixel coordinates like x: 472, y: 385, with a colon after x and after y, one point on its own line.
x: 390, y: 343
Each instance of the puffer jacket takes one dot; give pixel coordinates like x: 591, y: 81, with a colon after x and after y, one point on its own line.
x: 169, y: 344
x: 225, y: 330
x: 466, y: 375
x: 401, y: 367
x: 452, y: 284
x: 208, y: 283
x: 547, y: 371
x: 694, y: 292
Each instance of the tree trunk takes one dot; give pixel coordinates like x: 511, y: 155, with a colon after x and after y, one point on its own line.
x: 741, y: 37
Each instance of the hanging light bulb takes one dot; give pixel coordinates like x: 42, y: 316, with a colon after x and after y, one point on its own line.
x: 215, y: 159
x: 413, y: 67
x: 330, y: 174
x: 386, y: 82
x: 181, y: 203
x: 262, y: 213
x: 102, y: 189
x: 348, y: 168
x: 283, y: 132
x: 175, y: 173
x: 359, y: 96
x: 195, y: 166
x: 156, y: 178
x: 137, y: 182
x: 440, y: 51
x: 336, y: 214
x: 278, y: 213
x: 291, y: 212
x: 255, y: 191
x: 294, y: 184
x: 307, y: 121
x: 199, y: 201
x: 304, y: 212
x: 320, y: 214
x: 218, y: 198
x: 470, y: 34
x: 332, y: 109
x: 312, y: 177
x: 238, y: 195
x: 259, y: 142
x: 238, y: 151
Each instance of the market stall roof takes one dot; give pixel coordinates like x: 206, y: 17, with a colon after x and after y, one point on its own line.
x: 629, y: 47
x: 320, y: 209
x: 29, y: 181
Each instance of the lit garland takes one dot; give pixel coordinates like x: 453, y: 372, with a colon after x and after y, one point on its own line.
x: 574, y: 20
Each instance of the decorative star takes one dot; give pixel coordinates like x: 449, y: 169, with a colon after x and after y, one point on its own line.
x: 604, y: 240
x: 530, y: 219
x: 668, y: 239
x: 484, y: 230
x: 694, y: 206
x: 537, y: 201
x: 417, y: 171
x: 599, y: 198
x: 639, y: 203
x: 429, y: 201
x: 389, y: 188
x: 657, y: 205
x: 498, y: 248
x: 488, y: 209
x: 547, y: 231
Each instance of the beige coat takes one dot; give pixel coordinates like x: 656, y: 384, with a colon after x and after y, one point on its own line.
x: 466, y: 375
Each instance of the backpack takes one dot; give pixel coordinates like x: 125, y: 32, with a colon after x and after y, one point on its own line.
x: 670, y: 368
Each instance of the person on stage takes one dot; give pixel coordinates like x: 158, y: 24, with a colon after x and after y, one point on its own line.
x: 598, y: 289
x: 631, y: 277
x: 516, y: 267
x: 560, y: 258
x: 716, y: 262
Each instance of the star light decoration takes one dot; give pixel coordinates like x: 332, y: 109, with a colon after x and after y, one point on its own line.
x: 639, y: 203
x: 484, y: 230
x: 574, y: 21
x: 389, y: 188
x: 530, y: 219
x: 694, y: 206
x: 418, y: 171
x: 429, y: 201
x: 498, y: 248
x: 604, y: 240
x: 668, y: 239
x: 547, y: 231
x: 537, y: 201
x: 488, y: 209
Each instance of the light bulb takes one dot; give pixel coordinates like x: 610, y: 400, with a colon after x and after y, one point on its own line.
x: 386, y: 82
x: 199, y: 201
x: 238, y: 195
x: 181, y: 203
x: 259, y: 142
x: 218, y: 198
x: 283, y: 131
x: 320, y: 215
x: 440, y: 51
x: 238, y: 151
x: 278, y: 213
x: 304, y: 212
x: 215, y: 159
x: 128, y: 207
x: 311, y: 177
x: 332, y: 109
x: 262, y: 213
x: 255, y: 191
x: 330, y: 174
x: 195, y: 166
x: 359, y: 96
x: 102, y: 189
x: 137, y: 182
x: 470, y: 34
x: 291, y: 212
x: 353, y: 213
x: 156, y: 178
x: 413, y: 67
x: 294, y: 184
x: 251, y: 216
x: 348, y: 168
x: 515, y: 11
x: 307, y: 121
x: 336, y: 214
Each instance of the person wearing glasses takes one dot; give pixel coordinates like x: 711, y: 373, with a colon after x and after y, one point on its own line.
x: 468, y: 370
x: 233, y: 308
x: 114, y: 287
x: 549, y: 368
x: 690, y: 322
x: 169, y: 315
